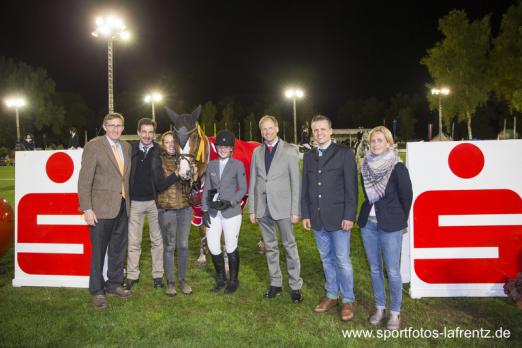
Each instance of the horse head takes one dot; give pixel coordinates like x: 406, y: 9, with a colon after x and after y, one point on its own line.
x: 184, y: 125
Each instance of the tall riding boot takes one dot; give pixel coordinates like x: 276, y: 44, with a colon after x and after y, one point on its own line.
x: 233, y: 270
x: 219, y: 265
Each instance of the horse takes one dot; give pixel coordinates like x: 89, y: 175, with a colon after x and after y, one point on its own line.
x: 186, y: 129
x: 192, y: 157
x: 361, y: 148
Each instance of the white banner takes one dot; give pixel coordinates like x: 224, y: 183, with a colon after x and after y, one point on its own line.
x: 466, y: 219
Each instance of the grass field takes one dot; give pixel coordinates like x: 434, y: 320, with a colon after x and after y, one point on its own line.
x: 31, y: 316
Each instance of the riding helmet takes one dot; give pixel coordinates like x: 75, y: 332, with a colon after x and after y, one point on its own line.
x: 225, y: 138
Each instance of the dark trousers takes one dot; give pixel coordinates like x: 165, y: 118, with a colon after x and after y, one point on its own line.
x: 111, y: 236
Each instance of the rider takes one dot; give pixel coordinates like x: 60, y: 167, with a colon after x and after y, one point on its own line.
x: 225, y: 186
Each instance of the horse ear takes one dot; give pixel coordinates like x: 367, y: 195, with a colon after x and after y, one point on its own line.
x: 172, y: 115
x: 196, y: 113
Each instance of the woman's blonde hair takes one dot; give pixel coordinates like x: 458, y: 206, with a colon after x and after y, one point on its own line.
x: 387, y: 134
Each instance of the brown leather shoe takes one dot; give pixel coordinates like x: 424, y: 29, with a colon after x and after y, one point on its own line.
x: 346, y: 312
x: 325, y: 305
x: 120, y: 292
x: 99, y: 301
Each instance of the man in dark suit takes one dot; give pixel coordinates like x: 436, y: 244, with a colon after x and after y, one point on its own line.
x: 74, y: 140
x: 329, y: 207
x: 103, y: 186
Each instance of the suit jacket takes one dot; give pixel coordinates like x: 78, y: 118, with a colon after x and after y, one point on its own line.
x: 330, y: 188
x: 99, y: 183
x: 74, y: 141
x: 275, y: 194
x: 135, y: 155
x: 230, y: 187
x: 393, y: 209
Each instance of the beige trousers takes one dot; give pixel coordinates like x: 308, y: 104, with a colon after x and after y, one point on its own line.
x: 138, y: 212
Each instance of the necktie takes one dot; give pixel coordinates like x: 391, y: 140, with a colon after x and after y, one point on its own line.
x: 320, y: 152
x: 270, y: 148
x: 120, y: 166
x: 145, y: 150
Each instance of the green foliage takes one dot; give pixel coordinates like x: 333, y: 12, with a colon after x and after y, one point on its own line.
x: 4, y: 151
x: 460, y: 61
x: 208, y: 117
x: 405, y: 109
x: 250, y: 126
x: 506, y: 58
x: 42, y: 113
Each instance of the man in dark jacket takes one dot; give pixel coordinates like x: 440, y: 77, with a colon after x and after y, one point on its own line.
x: 329, y: 206
x: 143, y: 203
x: 74, y: 140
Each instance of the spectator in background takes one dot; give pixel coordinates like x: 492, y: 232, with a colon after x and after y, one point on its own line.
x: 29, y: 142
x: 74, y: 140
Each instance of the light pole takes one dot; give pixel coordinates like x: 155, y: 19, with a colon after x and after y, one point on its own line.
x: 16, y: 103
x: 110, y: 28
x: 294, y: 93
x: 153, y: 97
x: 440, y: 92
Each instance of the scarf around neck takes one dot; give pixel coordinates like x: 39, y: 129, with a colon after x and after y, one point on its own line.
x: 376, y: 171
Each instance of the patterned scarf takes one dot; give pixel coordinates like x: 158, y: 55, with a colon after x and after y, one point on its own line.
x: 376, y: 171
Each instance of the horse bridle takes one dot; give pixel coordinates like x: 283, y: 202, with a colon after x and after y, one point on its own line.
x: 185, y: 133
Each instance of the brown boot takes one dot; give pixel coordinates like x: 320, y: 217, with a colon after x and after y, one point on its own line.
x: 346, y: 312
x: 325, y: 305
x: 99, y: 301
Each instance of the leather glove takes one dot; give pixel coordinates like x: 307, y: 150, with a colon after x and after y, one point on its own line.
x: 214, y: 204
x: 206, y: 219
x: 222, y: 205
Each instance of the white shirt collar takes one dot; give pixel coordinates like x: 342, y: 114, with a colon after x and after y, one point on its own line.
x: 111, y: 142
x: 142, y: 146
x: 325, y: 146
x: 274, y: 143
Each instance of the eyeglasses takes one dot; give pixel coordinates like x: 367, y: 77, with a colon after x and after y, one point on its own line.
x: 117, y: 126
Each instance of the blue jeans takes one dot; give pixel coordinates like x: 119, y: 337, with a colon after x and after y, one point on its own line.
x: 175, y: 228
x: 379, y: 244
x: 334, y: 249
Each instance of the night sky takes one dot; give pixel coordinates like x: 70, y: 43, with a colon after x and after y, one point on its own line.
x: 249, y: 50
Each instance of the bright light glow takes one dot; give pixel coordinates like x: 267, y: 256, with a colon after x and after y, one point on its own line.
x: 443, y: 91
x: 15, y: 102
x: 125, y: 35
x: 294, y: 93
x: 111, y: 27
x: 153, y: 97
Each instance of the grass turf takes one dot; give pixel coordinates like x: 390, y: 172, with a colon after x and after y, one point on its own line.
x: 32, y: 316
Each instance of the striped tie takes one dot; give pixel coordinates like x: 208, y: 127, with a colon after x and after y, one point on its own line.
x: 120, y: 166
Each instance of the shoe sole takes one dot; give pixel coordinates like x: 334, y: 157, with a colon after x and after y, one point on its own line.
x: 347, y: 318
x: 316, y: 310
x: 119, y: 296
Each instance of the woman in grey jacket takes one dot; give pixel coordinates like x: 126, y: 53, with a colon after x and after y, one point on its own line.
x: 225, y: 186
